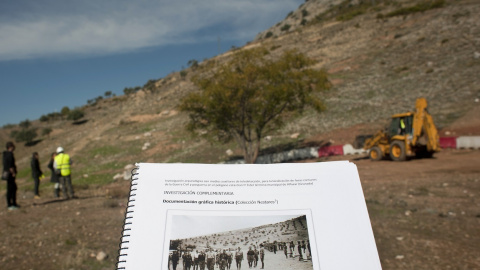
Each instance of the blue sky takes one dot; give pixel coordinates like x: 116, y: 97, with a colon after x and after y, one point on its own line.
x: 56, y: 53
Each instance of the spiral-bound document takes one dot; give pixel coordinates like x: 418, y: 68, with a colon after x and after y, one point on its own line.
x: 273, y: 216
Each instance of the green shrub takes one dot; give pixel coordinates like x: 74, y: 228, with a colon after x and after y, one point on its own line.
x: 350, y: 15
x: 8, y: 126
x: 285, y: 27
x: 75, y: 115
x: 304, y: 13
x: 150, y: 85
x: 65, y: 111
x: 25, y: 124
x: 193, y: 64
x: 420, y: 7
x: 183, y: 74
x: 131, y: 90
x: 24, y: 135
x: 44, y: 118
x: 274, y: 47
x: 50, y: 117
x: 54, y: 116
x: 46, y: 131
x: 269, y: 34
x: 345, y: 11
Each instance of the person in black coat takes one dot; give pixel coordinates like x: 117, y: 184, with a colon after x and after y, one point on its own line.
x: 250, y: 257
x: 299, y: 246
x: 54, y: 177
x: 36, y: 173
x: 187, y: 260
x: 175, y: 259
x: 10, y: 168
x: 201, y: 260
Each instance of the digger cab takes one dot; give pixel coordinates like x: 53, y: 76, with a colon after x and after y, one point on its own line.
x: 395, y: 127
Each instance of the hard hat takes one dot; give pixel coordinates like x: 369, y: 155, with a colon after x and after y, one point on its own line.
x: 59, y: 149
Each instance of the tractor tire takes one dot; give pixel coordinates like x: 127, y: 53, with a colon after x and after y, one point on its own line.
x: 397, y: 151
x: 375, y: 153
x: 429, y: 154
x: 424, y: 153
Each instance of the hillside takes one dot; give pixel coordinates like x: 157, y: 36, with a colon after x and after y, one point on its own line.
x: 378, y: 63
x: 282, y: 232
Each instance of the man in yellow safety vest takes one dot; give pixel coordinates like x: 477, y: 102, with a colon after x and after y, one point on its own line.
x: 62, y: 165
x: 402, y: 126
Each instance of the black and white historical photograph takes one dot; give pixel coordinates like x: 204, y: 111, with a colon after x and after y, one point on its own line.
x: 239, y: 242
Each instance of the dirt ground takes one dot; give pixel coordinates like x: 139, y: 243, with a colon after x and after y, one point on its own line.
x: 425, y: 214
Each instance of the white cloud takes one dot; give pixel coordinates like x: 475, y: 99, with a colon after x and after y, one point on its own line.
x: 102, y: 27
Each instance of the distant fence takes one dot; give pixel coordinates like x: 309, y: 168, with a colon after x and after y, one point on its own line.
x: 472, y: 142
x: 462, y: 142
x: 448, y: 142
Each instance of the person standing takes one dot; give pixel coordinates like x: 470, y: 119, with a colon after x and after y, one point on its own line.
x: 201, y: 260
x: 10, y: 169
x: 304, y: 250
x: 187, y: 260
x: 63, y: 162
x: 210, y: 259
x: 229, y: 258
x: 195, y: 260
x: 223, y: 259
x: 239, y: 258
x: 175, y: 259
x: 292, y: 249
x: 36, y: 174
x: 217, y: 257
x: 299, y: 247
x: 54, y: 176
x: 262, y: 256
x: 250, y: 257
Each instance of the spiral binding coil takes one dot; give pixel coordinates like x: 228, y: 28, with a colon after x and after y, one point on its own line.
x: 123, y: 247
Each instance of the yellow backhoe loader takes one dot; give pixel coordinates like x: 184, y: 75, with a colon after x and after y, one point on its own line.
x: 409, y: 134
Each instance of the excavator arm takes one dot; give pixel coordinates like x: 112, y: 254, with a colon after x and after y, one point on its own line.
x: 433, y: 144
x: 371, y: 142
x: 423, y: 126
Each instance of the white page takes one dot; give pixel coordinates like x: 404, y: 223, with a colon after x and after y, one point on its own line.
x: 176, y: 201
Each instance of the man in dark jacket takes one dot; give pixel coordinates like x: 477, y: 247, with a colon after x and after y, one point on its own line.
x: 11, y: 169
x: 54, y: 176
x: 36, y: 173
x: 175, y: 259
x: 250, y: 257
